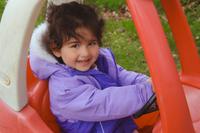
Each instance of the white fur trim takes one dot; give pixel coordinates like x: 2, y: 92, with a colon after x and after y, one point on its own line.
x: 36, y: 47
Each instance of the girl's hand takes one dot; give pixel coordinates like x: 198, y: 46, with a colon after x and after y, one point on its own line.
x: 150, y: 81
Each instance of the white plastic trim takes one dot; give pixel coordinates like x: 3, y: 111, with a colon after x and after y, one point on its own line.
x: 59, y: 2
x: 16, y: 27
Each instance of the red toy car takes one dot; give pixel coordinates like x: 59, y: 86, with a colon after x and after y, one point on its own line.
x: 24, y: 100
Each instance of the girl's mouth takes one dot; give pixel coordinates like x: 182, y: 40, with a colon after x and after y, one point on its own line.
x: 84, y: 62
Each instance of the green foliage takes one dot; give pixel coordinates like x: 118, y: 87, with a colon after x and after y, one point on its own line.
x: 42, y: 14
x: 192, y: 10
x: 107, y: 4
x: 2, y: 5
x: 158, y: 6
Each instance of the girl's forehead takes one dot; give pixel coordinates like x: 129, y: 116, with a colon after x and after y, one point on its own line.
x: 74, y: 40
x: 85, y: 33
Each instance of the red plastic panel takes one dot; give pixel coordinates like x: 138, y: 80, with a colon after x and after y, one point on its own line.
x: 185, y: 43
x: 165, y: 77
x: 25, y: 121
x: 39, y: 99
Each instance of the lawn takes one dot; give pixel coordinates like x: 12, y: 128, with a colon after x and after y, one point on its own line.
x: 120, y: 34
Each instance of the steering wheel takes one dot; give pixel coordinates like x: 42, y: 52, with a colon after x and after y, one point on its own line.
x: 149, y: 107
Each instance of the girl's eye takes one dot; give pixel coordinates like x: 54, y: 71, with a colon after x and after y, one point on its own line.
x: 75, y: 45
x: 93, y: 43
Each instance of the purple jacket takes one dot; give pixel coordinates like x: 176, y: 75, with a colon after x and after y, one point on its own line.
x: 99, y: 100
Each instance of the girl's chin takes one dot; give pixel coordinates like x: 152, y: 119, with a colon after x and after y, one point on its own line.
x: 85, y: 68
x: 82, y: 69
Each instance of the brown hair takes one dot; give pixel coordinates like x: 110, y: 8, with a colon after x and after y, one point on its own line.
x: 64, y: 19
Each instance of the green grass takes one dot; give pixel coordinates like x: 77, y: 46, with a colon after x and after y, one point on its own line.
x: 107, y: 4
x: 121, y: 37
x: 192, y: 11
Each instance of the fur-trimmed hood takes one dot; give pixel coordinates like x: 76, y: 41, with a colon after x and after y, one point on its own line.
x: 36, y: 45
x: 42, y: 63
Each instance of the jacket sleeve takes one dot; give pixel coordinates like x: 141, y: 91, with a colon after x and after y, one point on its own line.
x: 132, y: 78
x: 129, y: 77
x: 72, y: 99
x: 123, y: 76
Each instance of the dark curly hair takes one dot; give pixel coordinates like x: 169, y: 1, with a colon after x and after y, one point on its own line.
x: 64, y: 19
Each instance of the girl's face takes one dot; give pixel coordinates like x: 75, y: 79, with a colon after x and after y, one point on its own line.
x: 80, y: 53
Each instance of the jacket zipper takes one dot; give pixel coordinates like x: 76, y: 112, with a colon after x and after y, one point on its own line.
x: 101, y: 127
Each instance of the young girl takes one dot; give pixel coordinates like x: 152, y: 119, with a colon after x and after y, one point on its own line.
x: 89, y: 92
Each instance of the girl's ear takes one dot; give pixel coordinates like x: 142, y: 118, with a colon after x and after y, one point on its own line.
x: 55, y: 50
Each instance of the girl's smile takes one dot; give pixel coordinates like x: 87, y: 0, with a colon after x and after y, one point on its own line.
x: 84, y: 62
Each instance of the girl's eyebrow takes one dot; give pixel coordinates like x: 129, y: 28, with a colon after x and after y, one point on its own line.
x: 88, y: 40
x: 74, y: 41
x: 93, y: 40
x: 77, y: 41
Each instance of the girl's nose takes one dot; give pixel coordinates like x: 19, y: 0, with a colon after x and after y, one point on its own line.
x: 84, y: 52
